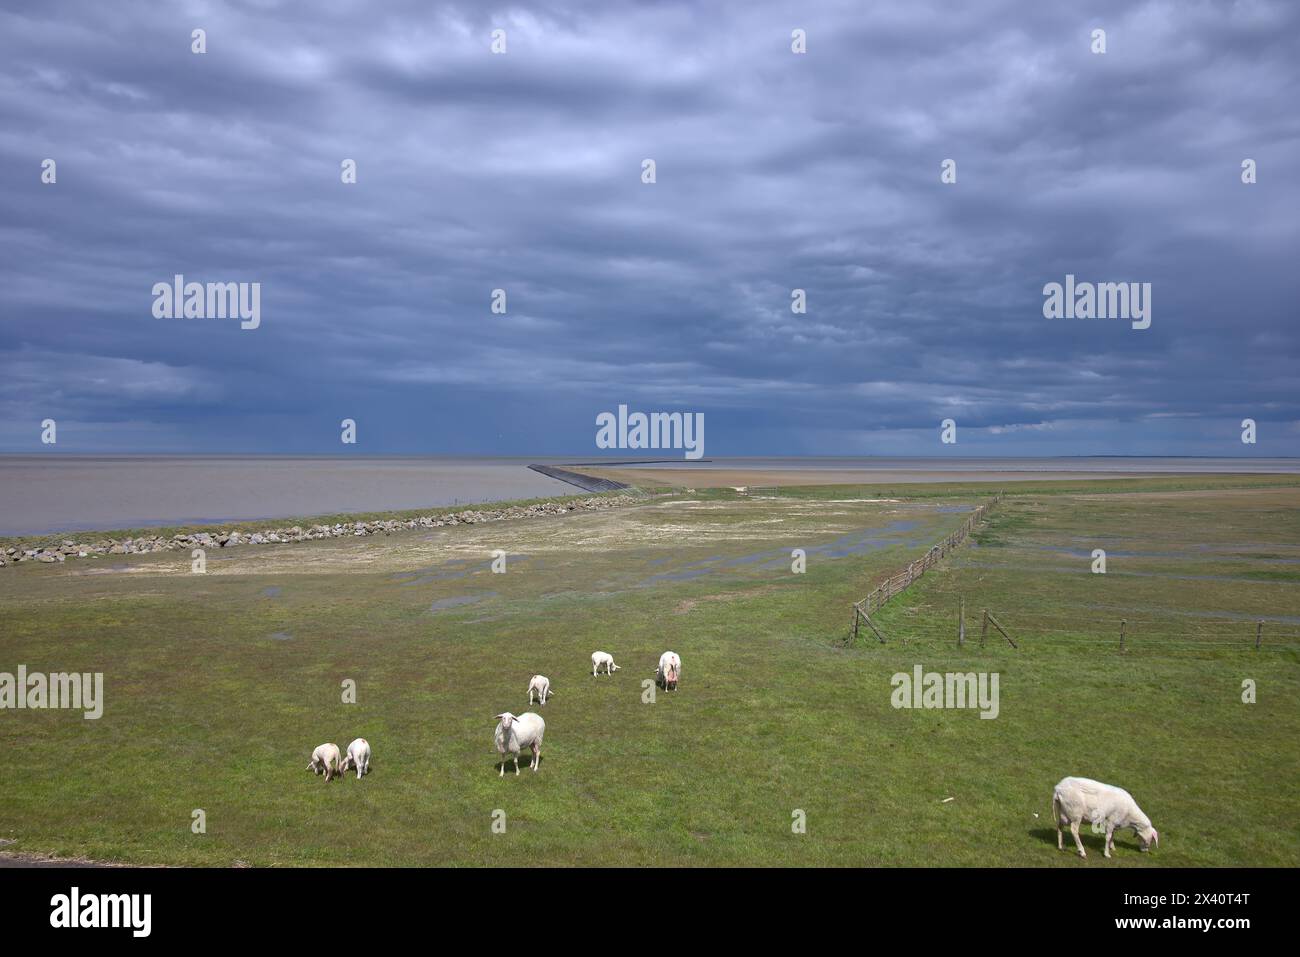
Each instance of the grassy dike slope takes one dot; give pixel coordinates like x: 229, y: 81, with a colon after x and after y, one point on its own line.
x: 218, y: 687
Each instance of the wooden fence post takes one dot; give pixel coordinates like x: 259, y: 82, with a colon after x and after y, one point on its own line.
x: 998, y: 625
x: 872, y: 626
x: 1122, y: 624
x: 961, y: 622
x: 984, y: 628
x: 1259, y: 628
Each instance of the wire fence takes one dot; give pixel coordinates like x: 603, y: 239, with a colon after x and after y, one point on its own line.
x: 1145, y: 637
x: 1144, y: 633
x: 902, y: 580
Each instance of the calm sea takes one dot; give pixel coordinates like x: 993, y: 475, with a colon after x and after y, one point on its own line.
x: 56, y: 493
x: 69, y: 493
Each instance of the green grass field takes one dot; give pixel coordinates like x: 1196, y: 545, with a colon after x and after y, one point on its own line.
x: 219, y: 686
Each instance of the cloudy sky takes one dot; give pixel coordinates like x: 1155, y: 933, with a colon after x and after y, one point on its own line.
x: 775, y: 171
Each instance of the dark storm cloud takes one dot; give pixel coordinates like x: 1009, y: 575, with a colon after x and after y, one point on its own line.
x: 775, y: 171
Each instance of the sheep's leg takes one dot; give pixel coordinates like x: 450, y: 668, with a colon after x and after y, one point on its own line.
x: 503, y: 765
x: 1074, y: 829
x: 537, y: 754
x: 1110, y: 839
x: 516, y: 764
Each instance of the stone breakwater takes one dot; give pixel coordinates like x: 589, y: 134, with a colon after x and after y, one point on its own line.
x: 66, y: 548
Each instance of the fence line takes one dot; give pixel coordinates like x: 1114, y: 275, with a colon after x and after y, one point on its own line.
x: 901, y: 581
x: 1149, y: 643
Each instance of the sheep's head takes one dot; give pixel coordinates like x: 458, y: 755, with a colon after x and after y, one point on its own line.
x: 507, y: 719
x: 1148, y: 835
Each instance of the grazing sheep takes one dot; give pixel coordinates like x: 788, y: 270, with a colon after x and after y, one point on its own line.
x: 358, y: 757
x: 670, y: 670
x: 325, y: 759
x: 514, y: 734
x: 599, y: 658
x: 542, y: 685
x: 1077, y: 799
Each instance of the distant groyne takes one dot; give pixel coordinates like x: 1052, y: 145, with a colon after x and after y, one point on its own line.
x: 589, y: 483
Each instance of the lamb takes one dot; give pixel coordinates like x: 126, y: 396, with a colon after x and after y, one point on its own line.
x: 670, y: 670
x: 542, y: 685
x: 514, y: 734
x: 325, y: 759
x: 1077, y: 799
x: 599, y: 658
x: 358, y: 757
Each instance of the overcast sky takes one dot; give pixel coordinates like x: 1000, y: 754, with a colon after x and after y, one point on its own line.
x: 775, y: 171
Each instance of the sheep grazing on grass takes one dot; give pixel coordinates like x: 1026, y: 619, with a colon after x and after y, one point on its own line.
x: 325, y: 759
x: 599, y: 658
x: 1075, y: 800
x: 541, y: 685
x: 514, y: 734
x: 358, y: 757
x: 670, y: 670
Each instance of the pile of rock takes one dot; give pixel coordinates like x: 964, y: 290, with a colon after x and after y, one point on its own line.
x: 67, y: 548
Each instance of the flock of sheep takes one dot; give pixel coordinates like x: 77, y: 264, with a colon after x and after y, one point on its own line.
x: 525, y: 731
x: 513, y: 733
x: 1074, y: 800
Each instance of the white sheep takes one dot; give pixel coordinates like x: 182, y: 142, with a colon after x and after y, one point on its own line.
x: 358, y: 757
x: 514, y: 734
x: 540, y: 684
x: 325, y: 759
x: 1075, y: 800
x: 670, y: 670
x: 599, y: 658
